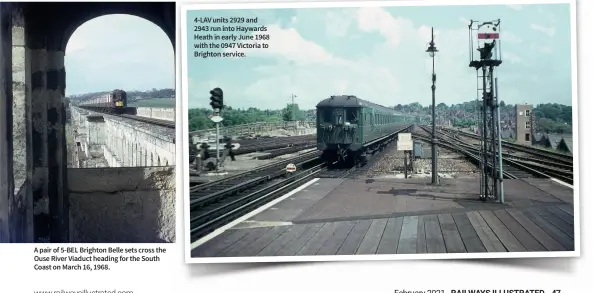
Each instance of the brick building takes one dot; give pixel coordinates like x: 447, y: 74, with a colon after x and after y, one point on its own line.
x: 524, y: 123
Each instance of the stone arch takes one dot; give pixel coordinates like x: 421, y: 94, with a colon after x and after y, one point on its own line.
x: 67, y: 17
x: 47, y: 28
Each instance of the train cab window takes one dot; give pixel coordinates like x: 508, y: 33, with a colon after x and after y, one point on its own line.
x: 351, y: 115
x: 326, y: 116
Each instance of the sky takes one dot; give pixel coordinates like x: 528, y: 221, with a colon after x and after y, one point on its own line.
x: 378, y: 54
x: 118, y: 51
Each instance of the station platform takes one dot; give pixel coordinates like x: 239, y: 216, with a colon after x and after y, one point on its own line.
x: 394, y: 216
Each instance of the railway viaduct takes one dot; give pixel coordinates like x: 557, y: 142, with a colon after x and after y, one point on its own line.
x: 110, y: 141
x: 41, y: 199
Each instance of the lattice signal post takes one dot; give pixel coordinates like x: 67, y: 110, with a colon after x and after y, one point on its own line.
x: 484, y: 37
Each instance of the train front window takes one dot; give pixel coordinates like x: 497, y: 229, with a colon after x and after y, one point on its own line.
x: 352, y: 116
x: 339, y: 115
x: 326, y: 115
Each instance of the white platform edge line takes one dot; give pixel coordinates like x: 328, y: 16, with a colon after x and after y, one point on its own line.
x: 562, y: 183
x: 251, y: 214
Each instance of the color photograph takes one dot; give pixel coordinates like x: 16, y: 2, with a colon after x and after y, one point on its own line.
x: 380, y: 130
x: 89, y: 104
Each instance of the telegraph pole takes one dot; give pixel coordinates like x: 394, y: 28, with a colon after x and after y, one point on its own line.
x: 217, y: 105
x: 293, y: 116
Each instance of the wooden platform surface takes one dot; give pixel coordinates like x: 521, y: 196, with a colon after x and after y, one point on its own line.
x: 516, y: 230
x: 532, y: 222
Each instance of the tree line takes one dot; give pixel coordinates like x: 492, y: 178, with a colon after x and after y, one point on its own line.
x: 166, y: 93
x: 549, y: 118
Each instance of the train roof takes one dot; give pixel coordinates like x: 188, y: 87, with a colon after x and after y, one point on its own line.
x: 350, y: 101
x: 103, y: 94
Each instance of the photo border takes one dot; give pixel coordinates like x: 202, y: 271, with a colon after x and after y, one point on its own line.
x: 185, y: 7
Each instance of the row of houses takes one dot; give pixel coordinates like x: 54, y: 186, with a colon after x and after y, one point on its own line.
x: 520, y: 130
x: 559, y: 142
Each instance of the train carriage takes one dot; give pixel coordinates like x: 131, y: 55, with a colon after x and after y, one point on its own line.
x: 349, y: 127
x: 115, y: 101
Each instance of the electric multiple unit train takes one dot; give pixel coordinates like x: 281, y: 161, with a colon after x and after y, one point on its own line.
x: 348, y: 128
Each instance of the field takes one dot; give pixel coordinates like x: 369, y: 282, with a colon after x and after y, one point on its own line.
x: 154, y: 103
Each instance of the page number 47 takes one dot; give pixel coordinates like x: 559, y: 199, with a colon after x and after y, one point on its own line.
x: 556, y: 291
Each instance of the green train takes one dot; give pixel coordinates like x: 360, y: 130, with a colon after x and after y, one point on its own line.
x: 350, y: 129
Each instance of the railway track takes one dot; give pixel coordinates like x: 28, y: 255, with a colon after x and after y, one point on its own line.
x: 217, y: 203
x: 513, y: 166
x: 214, y: 186
x: 275, y: 146
x: 539, y: 153
x: 153, y: 121
x: 125, y: 114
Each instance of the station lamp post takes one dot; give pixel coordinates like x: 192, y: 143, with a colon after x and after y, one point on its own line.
x: 432, y: 50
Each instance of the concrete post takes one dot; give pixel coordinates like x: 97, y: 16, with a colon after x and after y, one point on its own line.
x: 36, y: 44
x: 6, y: 176
x: 96, y: 130
x: 96, y: 136
x: 130, y: 154
x: 22, y: 140
x: 108, y: 141
x: 120, y: 152
x: 121, y: 155
x: 139, y: 155
x: 133, y: 155
x: 126, y: 158
x: 57, y: 163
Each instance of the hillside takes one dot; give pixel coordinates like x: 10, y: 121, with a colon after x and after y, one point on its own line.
x: 132, y: 95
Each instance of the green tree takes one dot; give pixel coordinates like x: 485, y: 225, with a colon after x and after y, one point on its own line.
x: 288, y: 113
x: 199, y: 118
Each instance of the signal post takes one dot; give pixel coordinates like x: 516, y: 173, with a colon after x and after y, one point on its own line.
x: 485, y: 38
x: 217, y: 105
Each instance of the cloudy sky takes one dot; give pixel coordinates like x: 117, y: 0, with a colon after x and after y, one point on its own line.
x: 118, y: 51
x: 379, y: 55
